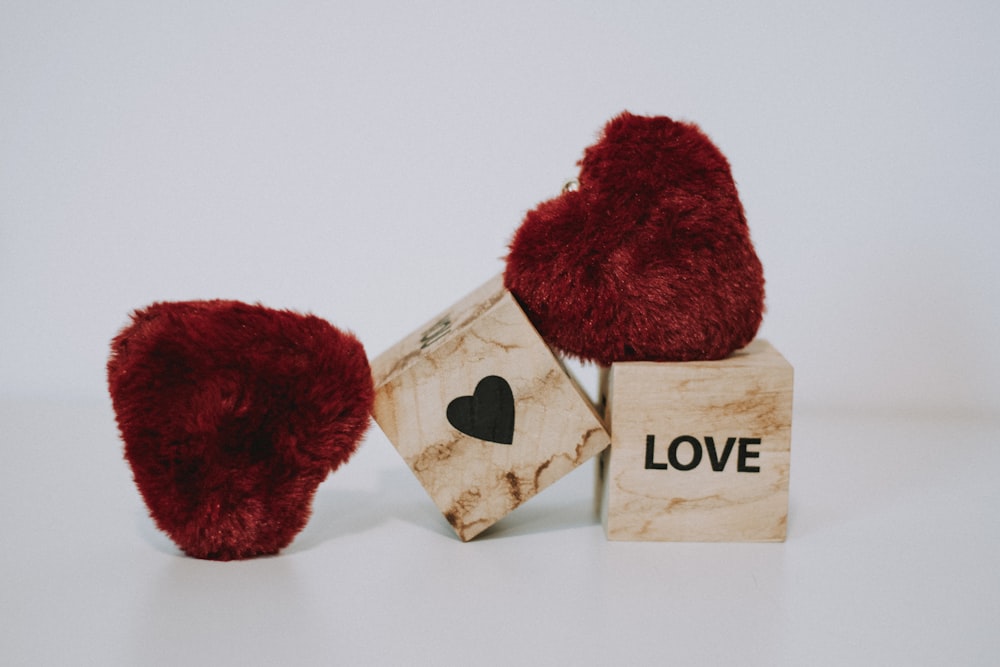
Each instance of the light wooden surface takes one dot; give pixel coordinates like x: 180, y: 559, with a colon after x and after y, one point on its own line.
x: 700, y: 450
x: 477, y: 478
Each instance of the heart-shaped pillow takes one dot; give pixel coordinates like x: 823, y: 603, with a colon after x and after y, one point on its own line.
x: 649, y: 259
x: 232, y: 414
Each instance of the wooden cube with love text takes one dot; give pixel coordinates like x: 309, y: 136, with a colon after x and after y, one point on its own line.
x: 700, y: 449
x: 482, y: 411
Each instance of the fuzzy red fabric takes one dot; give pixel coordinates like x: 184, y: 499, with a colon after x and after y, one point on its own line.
x: 232, y: 414
x: 650, y: 259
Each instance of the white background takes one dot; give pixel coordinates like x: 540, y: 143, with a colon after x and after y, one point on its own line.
x: 369, y: 162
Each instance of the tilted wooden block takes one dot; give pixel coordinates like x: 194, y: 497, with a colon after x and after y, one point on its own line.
x: 482, y: 411
x: 699, y: 449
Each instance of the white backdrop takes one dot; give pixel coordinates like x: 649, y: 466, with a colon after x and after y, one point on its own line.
x: 369, y: 162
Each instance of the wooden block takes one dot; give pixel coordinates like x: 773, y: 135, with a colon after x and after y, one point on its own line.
x: 482, y: 410
x: 699, y: 449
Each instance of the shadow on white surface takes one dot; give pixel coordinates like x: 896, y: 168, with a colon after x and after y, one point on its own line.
x: 342, y: 512
x: 339, y: 512
x: 147, y: 531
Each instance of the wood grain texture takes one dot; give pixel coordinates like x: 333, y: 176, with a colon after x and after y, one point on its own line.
x: 475, y: 482
x: 744, y: 403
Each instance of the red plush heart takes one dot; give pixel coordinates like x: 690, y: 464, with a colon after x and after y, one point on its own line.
x: 650, y: 259
x: 232, y: 414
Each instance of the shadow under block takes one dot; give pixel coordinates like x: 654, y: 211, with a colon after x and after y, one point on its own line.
x: 482, y: 411
x: 699, y: 450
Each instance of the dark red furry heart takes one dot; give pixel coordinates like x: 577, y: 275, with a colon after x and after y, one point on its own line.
x: 232, y: 414
x: 650, y: 259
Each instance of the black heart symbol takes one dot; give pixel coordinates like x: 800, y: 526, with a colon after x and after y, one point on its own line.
x: 488, y: 414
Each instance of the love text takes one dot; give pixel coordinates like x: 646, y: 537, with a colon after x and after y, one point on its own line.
x: 685, y: 452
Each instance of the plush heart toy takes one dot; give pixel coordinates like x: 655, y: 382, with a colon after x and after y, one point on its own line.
x: 232, y: 414
x: 649, y: 259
